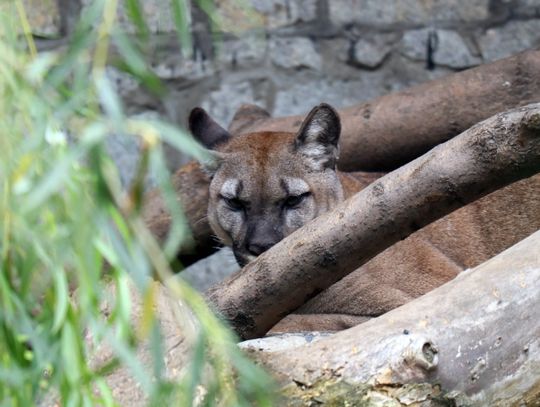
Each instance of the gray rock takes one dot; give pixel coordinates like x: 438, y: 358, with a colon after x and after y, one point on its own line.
x: 512, y: 38
x: 413, y: 44
x: 451, y: 50
x: 123, y: 83
x: 298, y: 52
x: 222, y: 104
x: 207, y: 272
x: 43, y: 16
x: 175, y: 66
x: 391, y: 12
x: 243, y: 52
x: 157, y: 14
x: 334, y: 50
x: 125, y: 152
x: 526, y: 8
x: 300, y: 98
x: 278, y: 13
x: 237, y: 17
x: 299, y: 94
x: 370, y: 52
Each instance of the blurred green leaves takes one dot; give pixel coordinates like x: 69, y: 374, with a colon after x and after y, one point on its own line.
x: 74, y: 249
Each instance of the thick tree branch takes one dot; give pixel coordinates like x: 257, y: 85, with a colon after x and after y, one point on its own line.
x: 477, y: 337
x: 380, y: 134
x: 486, y: 157
x: 394, y: 129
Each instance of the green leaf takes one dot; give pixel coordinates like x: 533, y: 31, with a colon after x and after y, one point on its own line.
x: 61, y: 299
x: 109, y: 99
x: 133, y: 9
x: 62, y: 170
x: 157, y: 350
x: 54, y: 181
x: 123, y: 298
x: 105, y: 392
x: 196, y: 367
x: 71, y: 353
x: 180, y: 10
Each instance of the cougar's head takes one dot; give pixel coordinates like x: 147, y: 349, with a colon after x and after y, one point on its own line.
x: 265, y: 185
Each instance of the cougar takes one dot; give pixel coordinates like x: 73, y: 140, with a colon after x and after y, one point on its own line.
x: 266, y: 185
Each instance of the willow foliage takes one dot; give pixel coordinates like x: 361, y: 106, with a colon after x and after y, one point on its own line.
x: 69, y: 231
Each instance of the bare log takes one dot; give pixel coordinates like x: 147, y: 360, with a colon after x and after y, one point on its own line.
x: 474, y: 341
x: 490, y: 155
x: 394, y: 129
x: 380, y: 134
x: 425, y: 260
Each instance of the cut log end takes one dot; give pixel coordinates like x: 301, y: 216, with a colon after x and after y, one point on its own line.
x: 531, y: 125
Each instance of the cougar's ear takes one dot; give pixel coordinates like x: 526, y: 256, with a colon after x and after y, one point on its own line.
x: 318, y: 137
x: 205, y: 129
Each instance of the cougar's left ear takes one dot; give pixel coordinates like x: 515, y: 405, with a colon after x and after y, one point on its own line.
x: 206, y: 130
x: 210, y: 134
x: 318, y: 137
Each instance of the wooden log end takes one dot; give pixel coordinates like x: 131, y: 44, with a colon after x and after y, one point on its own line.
x: 532, y: 122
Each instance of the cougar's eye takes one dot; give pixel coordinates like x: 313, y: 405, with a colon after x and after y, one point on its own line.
x: 294, y: 201
x: 234, y: 204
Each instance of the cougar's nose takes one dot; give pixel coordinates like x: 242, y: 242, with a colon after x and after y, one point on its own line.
x: 256, y: 248
x: 261, y: 235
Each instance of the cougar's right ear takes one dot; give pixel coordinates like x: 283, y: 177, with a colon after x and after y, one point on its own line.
x: 206, y: 130
x: 317, y: 139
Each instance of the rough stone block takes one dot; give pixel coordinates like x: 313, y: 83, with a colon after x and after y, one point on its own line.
x: 301, y: 97
x: 157, y: 14
x: 450, y: 49
x: 376, y: 12
x: 510, y: 39
x: 370, y: 52
x: 222, y: 103
x: 43, y: 17
x: 211, y: 270
x: 526, y: 8
x: 175, y: 66
x: 269, y: 14
x: 243, y: 52
x: 278, y: 13
x: 298, y: 52
x: 298, y: 94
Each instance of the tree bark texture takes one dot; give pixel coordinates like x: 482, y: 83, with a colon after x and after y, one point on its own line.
x: 477, y: 337
x: 488, y: 156
x: 377, y: 135
x: 425, y: 260
x: 392, y: 130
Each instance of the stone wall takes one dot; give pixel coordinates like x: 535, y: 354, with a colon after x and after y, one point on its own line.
x: 289, y: 55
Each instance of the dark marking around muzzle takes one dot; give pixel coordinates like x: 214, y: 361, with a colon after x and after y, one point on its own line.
x: 262, y: 234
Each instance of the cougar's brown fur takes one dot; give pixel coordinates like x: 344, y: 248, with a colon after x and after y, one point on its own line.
x: 266, y: 185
